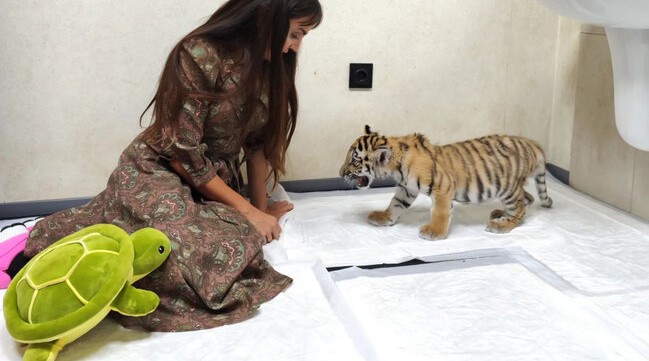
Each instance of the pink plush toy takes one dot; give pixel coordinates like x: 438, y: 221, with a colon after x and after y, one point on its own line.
x: 8, y: 250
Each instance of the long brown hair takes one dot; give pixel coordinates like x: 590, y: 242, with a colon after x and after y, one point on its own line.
x: 253, y: 27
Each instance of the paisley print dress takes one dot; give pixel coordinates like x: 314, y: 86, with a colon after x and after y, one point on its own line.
x: 216, y: 273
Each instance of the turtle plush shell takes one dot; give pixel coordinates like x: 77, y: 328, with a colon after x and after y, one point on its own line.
x: 72, y: 275
x: 71, y: 286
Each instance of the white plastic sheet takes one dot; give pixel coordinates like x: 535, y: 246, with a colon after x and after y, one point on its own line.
x: 597, y: 248
x: 473, y: 311
x: 570, y: 283
x: 302, y: 323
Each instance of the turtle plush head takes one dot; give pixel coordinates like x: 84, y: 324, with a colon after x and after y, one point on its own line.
x: 69, y: 287
x: 151, y: 248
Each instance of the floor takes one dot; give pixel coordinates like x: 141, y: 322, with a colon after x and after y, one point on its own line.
x: 570, y: 283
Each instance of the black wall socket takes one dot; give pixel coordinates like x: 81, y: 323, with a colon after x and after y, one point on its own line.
x: 360, y: 75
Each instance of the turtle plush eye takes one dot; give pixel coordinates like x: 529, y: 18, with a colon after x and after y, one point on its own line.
x: 161, y: 249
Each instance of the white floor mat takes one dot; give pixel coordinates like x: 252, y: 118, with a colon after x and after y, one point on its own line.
x: 593, y: 246
x: 303, y: 323
x: 570, y: 283
x: 474, y: 310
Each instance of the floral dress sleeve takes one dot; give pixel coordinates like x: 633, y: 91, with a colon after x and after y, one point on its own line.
x: 200, y: 68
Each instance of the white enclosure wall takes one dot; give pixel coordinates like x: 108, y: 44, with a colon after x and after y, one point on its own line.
x: 75, y: 76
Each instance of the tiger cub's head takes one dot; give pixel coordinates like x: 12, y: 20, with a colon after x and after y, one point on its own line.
x: 365, y: 159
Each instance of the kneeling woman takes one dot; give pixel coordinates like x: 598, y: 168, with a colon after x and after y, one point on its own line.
x: 228, y: 85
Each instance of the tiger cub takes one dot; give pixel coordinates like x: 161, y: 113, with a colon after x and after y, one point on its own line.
x: 472, y: 171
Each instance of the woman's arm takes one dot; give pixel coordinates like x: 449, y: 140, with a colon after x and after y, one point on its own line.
x: 257, y: 170
x: 217, y: 190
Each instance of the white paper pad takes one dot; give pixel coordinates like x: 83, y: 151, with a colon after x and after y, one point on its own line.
x: 302, y: 323
x: 570, y: 283
x: 595, y: 247
x: 468, y: 310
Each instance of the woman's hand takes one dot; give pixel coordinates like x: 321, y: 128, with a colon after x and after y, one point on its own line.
x: 278, y: 209
x: 217, y: 190
x: 265, y: 223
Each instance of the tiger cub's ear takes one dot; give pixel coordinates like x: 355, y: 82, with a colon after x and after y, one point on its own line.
x: 368, y: 130
x: 384, y: 155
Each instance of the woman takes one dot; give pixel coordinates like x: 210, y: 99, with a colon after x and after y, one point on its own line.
x: 227, y: 86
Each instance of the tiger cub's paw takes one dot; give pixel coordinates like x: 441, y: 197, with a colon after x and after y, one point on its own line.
x: 496, y: 213
x: 381, y: 218
x: 501, y: 225
x: 432, y: 232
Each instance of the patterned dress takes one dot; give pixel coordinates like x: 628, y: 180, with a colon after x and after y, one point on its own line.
x: 216, y: 273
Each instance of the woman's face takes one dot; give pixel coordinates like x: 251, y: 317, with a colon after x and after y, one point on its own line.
x: 296, y: 32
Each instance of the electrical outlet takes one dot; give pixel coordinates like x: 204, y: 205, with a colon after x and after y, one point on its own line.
x: 360, y: 75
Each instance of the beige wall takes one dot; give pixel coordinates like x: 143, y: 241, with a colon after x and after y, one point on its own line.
x: 602, y: 164
x: 76, y: 74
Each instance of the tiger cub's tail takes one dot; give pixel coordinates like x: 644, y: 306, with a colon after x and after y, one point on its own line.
x: 541, y: 187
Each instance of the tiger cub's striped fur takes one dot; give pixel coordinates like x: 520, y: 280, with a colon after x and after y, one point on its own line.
x: 472, y: 171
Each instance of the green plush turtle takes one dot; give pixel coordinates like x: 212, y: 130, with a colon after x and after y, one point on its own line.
x: 70, y: 286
